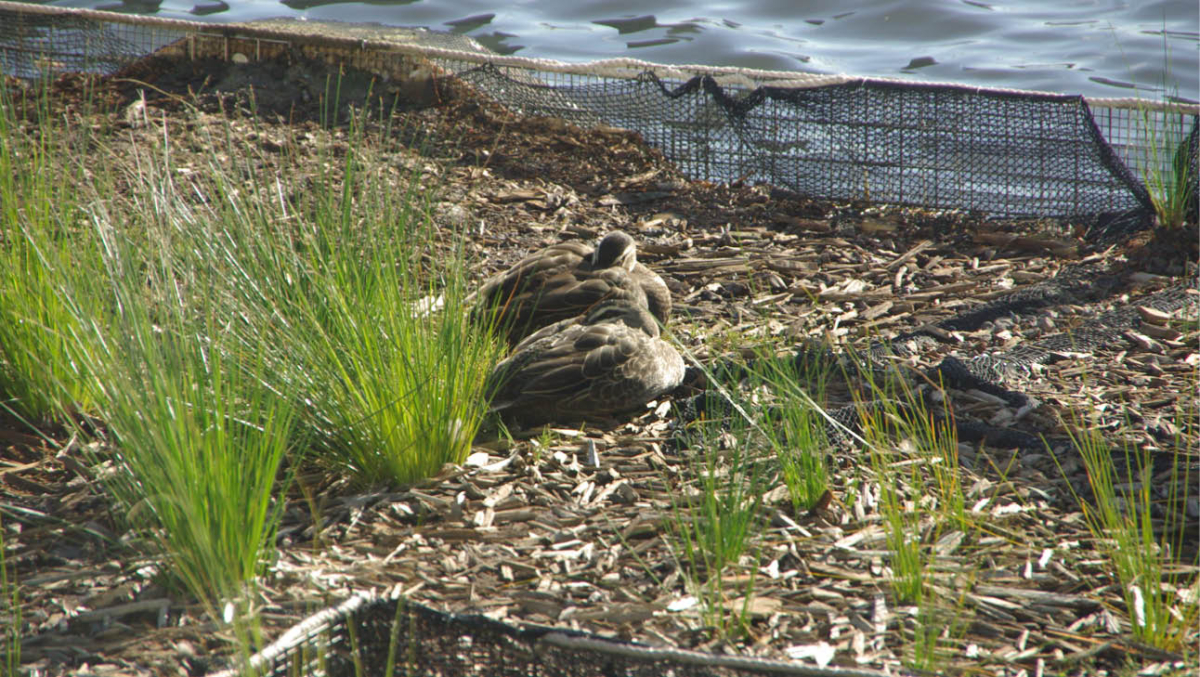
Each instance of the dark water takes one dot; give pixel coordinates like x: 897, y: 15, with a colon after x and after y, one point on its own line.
x: 1094, y: 47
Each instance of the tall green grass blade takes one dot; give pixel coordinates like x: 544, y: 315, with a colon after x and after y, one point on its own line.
x: 199, y: 440
x: 38, y: 213
x: 1163, y: 608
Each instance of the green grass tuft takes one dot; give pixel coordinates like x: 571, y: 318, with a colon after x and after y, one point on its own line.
x: 338, y: 287
x: 798, y: 438
x: 198, y: 440
x: 1163, y: 605
x: 38, y: 211
x: 226, y: 326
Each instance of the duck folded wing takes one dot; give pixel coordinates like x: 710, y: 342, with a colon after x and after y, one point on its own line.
x: 568, y: 279
x: 575, y: 371
x: 534, y: 271
x: 555, y: 364
x: 569, y: 295
x: 658, y: 295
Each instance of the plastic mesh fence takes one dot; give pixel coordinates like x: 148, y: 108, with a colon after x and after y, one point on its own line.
x: 34, y: 44
x: 1001, y: 152
x: 368, y: 634
x: 937, y: 146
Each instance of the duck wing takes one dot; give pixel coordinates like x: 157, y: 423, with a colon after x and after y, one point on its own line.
x: 582, y: 371
x: 556, y: 284
x: 658, y: 295
x: 531, y: 272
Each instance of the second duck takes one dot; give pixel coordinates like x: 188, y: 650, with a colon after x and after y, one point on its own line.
x: 566, y: 280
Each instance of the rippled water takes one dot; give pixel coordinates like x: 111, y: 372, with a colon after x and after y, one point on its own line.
x: 1091, y: 47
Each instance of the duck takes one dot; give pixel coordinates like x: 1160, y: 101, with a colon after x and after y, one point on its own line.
x: 563, y: 281
x: 592, y: 367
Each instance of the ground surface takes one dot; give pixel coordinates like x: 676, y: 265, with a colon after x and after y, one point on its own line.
x: 574, y: 527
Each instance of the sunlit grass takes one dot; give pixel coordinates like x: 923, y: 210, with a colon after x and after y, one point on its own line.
x: 913, y: 456
x: 769, y: 410
x: 222, y: 328
x: 334, y: 286
x: 199, y: 445
x: 197, y: 439
x: 38, y: 210
x: 1167, y: 152
x: 719, y: 514
x: 797, y: 437
x: 1146, y: 551
x: 759, y: 429
x: 714, y: 528
x: 1168, y: 165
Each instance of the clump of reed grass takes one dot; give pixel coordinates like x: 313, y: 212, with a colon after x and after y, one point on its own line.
x: 759, y: 430
x: 797, y: 435
x: 1163, y: 605
x: 197, y: 440
x: 38, y: 211
x: 1167, y: 168
x: 1167, y: 160
x: 913, y: 458
x: 715, y: 523
x: 226, y: 326
x: 337, y: 285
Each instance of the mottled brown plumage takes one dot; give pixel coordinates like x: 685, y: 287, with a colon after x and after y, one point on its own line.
x: 567, y: 279
x: 610, y: 361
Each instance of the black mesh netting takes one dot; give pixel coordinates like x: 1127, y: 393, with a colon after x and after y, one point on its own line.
x: 1186, y: 164
x: 1002, y: 153
x: 33, y: 45
x: 367, y: 634
x: 938, y: 146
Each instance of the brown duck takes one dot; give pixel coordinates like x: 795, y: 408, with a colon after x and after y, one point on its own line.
x: 565, y: 280
x: 607, y: 362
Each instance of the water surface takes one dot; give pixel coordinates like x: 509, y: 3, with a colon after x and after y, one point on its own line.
x: 1101, y: 48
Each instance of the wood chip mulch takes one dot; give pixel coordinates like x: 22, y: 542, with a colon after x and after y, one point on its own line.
x: 578, y: 527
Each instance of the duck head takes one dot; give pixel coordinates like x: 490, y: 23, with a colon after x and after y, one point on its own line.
x: 615, y: 249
